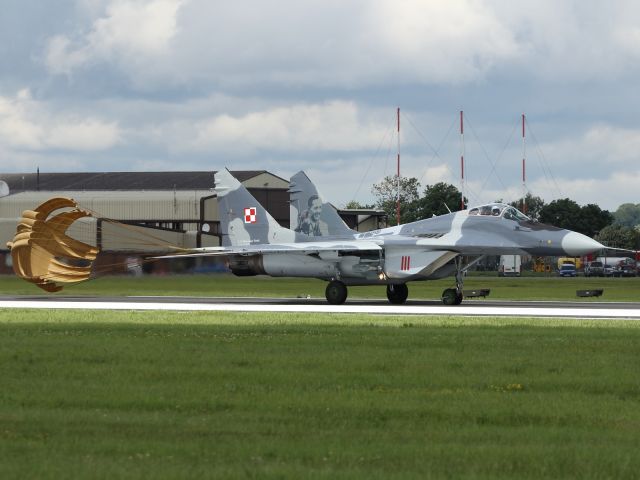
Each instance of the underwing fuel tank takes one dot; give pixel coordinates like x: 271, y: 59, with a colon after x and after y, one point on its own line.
x: 282, y: 265
x: 297, y: 265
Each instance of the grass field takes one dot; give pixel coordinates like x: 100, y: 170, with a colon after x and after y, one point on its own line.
x: 174, y: 395
x: 525, y: 288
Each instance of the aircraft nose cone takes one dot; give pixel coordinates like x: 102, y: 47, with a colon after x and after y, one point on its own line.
x: 575, y: 244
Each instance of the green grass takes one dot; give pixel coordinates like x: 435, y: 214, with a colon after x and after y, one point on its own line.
x: 526, y: 288
x: 174, y: 395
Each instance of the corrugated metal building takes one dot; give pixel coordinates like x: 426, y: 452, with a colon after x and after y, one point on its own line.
x: 153, y: 209
x: 364, y: 219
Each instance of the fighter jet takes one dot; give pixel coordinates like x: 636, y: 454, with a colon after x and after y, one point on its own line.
x: 253, y: 243
x: 302, y: 189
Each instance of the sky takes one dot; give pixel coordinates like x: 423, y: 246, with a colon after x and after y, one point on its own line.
x: 289, y: 85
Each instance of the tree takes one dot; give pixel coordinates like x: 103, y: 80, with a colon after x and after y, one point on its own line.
x: 627, y: 214
x: 563, y: 213
x: 437, y: 199
x: 619, y: 236
x: 566, y: 213
x: 386, y: 193
x: 593, y: 219
x: 533, y: 206
x: 355, y: 205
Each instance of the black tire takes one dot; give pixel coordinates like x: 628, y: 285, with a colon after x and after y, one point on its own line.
x: 397, y: 293
x: 336, y: 292
x: 458, y: 298
x: 451, y: 297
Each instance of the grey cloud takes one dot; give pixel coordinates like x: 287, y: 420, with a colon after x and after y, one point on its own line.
x: 223, y: 83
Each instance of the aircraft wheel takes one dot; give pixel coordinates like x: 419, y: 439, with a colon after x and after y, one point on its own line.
x: 398, y: 293
x: 451, y: 297
x: 458, y: 298
x: 336, y: 292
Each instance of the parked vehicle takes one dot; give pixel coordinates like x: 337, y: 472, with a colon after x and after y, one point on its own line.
x: 626, y: 270
x: 510, y: 265
x: 594, y: 269
x: 613, y: 261
x: 577, y: 261
x: 567, y: 270
x: 609, y: 271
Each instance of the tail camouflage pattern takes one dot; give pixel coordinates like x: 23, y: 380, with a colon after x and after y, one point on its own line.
x: 243, y: 220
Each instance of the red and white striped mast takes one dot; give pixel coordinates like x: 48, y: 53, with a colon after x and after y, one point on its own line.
x: 398, y: 173
x: 462, y: 206
x: 524, y: 169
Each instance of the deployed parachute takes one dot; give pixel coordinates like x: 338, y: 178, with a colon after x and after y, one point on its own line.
x: 44, y: 254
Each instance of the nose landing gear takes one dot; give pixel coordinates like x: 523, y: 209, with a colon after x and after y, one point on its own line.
x: 453, y: 296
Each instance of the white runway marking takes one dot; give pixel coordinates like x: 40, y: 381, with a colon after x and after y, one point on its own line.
x: 473, y: 311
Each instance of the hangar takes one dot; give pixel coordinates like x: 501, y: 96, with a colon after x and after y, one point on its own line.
x: 153, y: 209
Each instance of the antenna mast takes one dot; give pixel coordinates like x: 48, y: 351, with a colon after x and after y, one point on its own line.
x: 398, y: 173
x: 462, y: 206
x: 524, y: 170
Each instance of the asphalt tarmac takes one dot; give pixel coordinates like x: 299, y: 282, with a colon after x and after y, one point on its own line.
x: 590, y: 308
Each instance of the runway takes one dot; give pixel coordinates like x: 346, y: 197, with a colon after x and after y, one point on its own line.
x: 473, y: 308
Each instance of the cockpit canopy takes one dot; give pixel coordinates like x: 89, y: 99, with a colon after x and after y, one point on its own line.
x: 500, y: 210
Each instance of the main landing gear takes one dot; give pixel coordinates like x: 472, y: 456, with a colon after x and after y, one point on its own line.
x: 397, y: 293
x: 336, y: 292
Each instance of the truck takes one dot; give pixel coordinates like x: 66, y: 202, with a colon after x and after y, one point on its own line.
x: 594, y: 269
x: 510, y: 266
x: 576, y: 261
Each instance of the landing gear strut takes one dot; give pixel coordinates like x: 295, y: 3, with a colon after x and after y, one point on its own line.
x: 453, y: 296
x: 397, y: 293
x: 336, y: 292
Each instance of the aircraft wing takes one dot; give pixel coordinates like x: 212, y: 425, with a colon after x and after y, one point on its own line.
x: 305, y: 248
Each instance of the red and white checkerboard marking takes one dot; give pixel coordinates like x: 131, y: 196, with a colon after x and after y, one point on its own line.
x: 250, y: 215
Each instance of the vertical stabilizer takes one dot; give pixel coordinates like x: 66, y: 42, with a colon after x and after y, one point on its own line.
x: 310, y: 214
x: 243, y: 220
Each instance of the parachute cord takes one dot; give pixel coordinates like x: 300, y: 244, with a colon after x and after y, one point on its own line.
x: 131, y: 240
x: 97, y: 272
x: 135, y: 231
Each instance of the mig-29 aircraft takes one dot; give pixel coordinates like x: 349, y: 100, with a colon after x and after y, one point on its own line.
x: 319, y: 246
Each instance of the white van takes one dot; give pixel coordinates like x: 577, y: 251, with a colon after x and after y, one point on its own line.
x: 510, y: 266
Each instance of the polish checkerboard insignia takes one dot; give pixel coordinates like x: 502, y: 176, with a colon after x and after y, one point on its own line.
x: 250, y: 215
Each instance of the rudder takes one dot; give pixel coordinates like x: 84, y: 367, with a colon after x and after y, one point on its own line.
x: 310, y: 214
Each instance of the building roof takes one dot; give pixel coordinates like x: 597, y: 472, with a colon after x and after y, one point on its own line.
x: 361, y: 211
x: 20, y: 182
